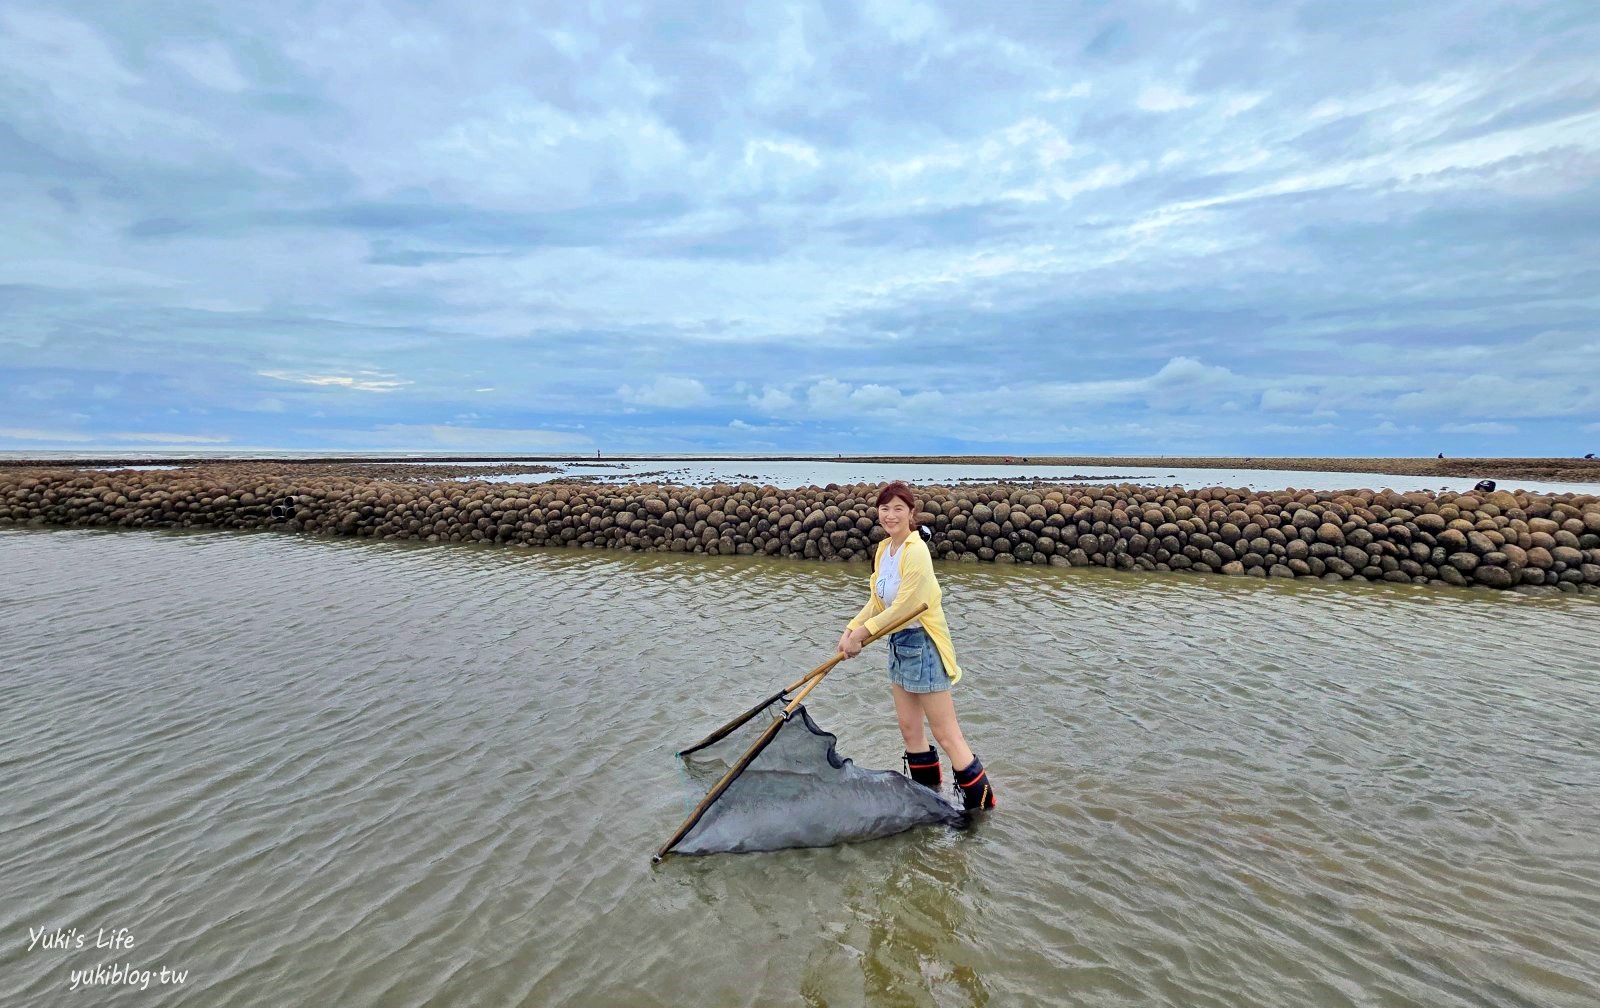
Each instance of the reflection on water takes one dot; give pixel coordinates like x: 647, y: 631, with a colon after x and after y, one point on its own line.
x: 344, y: 772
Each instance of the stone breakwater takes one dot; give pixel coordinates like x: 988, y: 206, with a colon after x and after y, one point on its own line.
x: 1529, y: 542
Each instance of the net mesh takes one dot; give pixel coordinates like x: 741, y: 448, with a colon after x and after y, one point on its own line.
x: 799, y: 792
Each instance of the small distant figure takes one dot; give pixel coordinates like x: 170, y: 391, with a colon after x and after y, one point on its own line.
x: 1485, y: 486
x: 597, y: 453
x: 1441, y: 454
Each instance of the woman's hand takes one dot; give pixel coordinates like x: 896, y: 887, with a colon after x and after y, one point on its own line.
x: 850, y: 643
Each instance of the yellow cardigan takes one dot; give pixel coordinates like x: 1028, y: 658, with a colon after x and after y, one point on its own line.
x: 917, y: 585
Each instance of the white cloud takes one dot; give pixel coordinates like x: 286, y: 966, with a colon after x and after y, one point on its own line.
x: 209, y: 64
x: 755, y: 180
x: 875, y: 397
x: 1276, y: 400
x: 1079, y: 90
x: 772, y: 400
x: 833, y: 397
x: 519, y: 146
x: 779, y: 165
x: 1019, y: 157
x: 35, y: 434
x: 1433, y: 94
x: 1241, y: 103
x: 1390, y: 427
x: 170, y: 438
x: 1471, y: 396
x: 1459, y: 165
x: 450, y: 436
x: 68, y: 70
x: 830, y: 395
x: 365, y: 381
x: 758, y: 151
x: 1277, y: 428
x: 1485, y: 427
x: 80, y: 437
x: 1188, y: 371
x: 1164, y: 98
x: 423, y: 437
x: 1181, y: 379
x: 666, y: 392
x: 770, y: 428
x: 570, y: 44
x: 906, y: 21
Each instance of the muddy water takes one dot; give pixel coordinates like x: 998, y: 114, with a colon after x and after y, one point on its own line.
x: 354, y: 773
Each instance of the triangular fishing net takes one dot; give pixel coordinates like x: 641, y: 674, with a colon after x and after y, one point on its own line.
x: 799, y: 792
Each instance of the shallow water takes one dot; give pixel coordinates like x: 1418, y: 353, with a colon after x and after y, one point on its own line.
x: 820, y: 472
x: 363, y: 773
x: 790, y: 474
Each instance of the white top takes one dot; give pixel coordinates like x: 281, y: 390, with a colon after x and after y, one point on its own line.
x: 887, y: 584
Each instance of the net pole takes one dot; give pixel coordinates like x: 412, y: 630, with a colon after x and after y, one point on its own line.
x: 720, y: 786
x: 732, y: 726
x: 815, y: 676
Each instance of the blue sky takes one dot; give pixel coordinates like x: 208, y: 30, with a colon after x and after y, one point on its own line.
x: 1197, y: 228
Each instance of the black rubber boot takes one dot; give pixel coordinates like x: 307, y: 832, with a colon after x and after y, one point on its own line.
x: 924, y: 768
x: 976, y: 794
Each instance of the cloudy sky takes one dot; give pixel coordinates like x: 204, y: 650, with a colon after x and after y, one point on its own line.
x: 1072, y: 227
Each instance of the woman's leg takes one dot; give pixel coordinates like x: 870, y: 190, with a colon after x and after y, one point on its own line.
x: 908, y: 711
x: 940, y: 710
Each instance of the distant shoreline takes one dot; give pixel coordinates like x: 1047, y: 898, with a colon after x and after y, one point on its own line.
x: 1562, y: 469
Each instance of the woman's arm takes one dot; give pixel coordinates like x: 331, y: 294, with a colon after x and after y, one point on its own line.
x: 873, y: 606
x: 850, y: 640
x: 916, y: 587
x: 871, y: 609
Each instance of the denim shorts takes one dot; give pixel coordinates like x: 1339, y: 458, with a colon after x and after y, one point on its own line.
x: 914, y: 663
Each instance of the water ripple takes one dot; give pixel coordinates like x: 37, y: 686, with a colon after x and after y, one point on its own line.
x: 331, y: 772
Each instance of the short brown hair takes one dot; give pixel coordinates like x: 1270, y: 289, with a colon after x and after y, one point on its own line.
x: 897, y: 489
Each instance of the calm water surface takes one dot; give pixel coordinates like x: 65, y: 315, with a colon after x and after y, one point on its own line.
x: 350, y: 773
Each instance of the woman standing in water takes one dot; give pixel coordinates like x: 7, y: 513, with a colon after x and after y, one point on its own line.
x: 922, y: 661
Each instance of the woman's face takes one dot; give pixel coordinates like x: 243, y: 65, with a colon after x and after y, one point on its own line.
x: 893, y: 515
